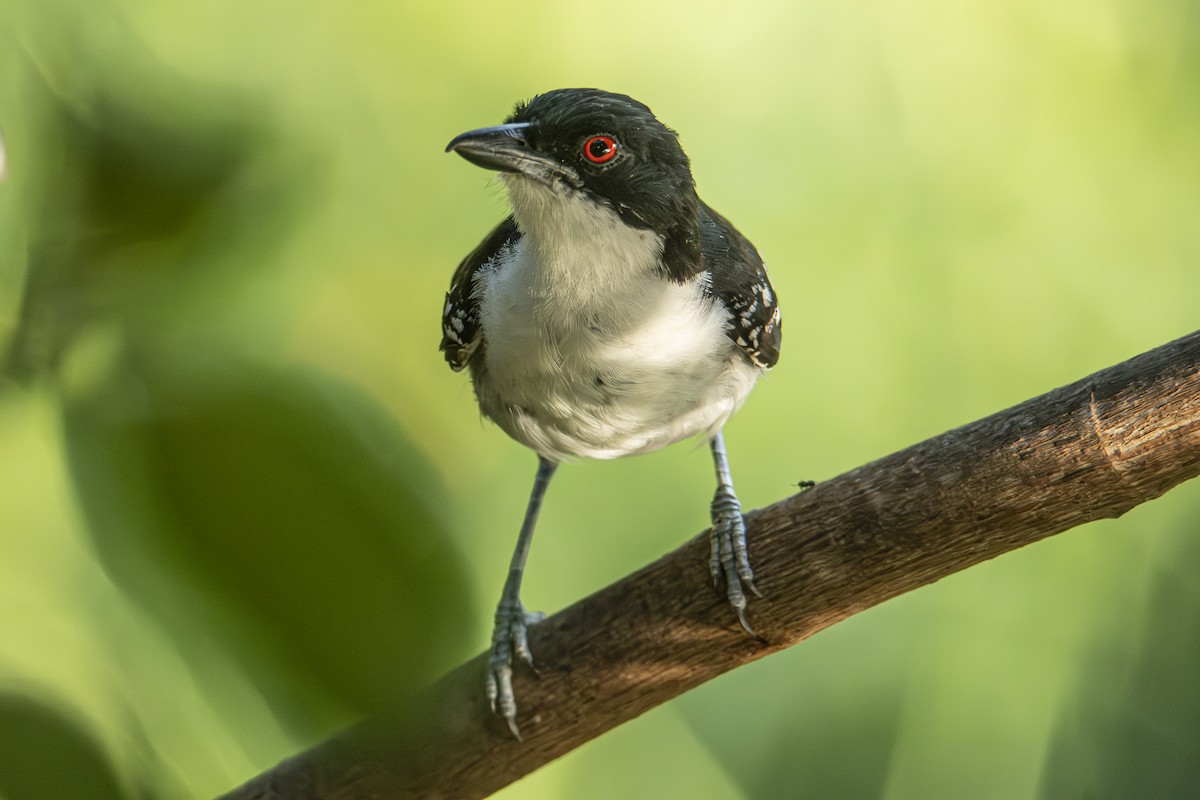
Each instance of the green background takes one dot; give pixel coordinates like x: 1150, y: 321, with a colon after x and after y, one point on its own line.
x: 243, y: 502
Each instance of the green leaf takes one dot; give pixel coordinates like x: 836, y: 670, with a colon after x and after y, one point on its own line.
x: 47, y: 755
x: 282, y: 514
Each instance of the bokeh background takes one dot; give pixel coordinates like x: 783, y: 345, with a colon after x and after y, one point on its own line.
x: 243, y: 502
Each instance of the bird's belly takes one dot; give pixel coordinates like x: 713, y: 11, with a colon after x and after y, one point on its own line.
x: 572, y: 391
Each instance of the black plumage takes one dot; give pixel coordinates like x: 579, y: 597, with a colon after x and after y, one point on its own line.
x: 611, y: 314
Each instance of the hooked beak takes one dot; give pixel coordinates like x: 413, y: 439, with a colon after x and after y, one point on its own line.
x: 505, y: 148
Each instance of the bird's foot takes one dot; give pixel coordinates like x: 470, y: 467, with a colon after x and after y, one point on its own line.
x: 729, y: 562
x: 510, y: 637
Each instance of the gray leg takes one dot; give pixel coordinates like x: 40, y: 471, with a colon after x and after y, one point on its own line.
x: 729, y: 562
x: 510, y: 635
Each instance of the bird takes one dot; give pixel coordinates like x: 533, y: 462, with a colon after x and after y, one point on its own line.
x: 612, y: 313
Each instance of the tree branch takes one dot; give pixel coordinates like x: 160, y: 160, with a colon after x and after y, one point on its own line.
x: 1087, y: 451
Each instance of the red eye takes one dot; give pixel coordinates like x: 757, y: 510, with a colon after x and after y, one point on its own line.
x: 600, y: 149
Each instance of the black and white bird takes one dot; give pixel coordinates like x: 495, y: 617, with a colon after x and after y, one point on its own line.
x: 613, y: 313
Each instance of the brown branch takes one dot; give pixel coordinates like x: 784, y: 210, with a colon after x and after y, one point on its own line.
x: 1090, y: 450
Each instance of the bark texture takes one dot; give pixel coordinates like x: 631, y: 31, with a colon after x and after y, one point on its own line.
x: 1090, y: 450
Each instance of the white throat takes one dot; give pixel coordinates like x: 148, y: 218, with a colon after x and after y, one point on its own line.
x: 580, y: 257
x: 590, y: 349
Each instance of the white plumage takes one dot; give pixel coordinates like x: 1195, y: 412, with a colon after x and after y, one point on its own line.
x: 588, y: 350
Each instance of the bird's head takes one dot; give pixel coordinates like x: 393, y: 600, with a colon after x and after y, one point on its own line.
x: 605, y: 147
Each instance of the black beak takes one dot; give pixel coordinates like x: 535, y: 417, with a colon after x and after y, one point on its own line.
x: 506, y: 148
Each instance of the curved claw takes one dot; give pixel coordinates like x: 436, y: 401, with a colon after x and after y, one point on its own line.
x: 741, y: 615
x: 729, y: 561
x: 509, y: 636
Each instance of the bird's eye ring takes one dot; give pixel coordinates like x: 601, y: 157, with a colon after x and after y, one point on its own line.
x: 600, y: 149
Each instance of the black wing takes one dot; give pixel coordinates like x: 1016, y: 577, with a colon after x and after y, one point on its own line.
x: 740, y: 281
x: 460, y: 315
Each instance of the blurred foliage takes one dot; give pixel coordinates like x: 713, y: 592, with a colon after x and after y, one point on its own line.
x: 34, y: 736
x: 1135, y: 708
x: 294, y: 510
x: 244, y: 502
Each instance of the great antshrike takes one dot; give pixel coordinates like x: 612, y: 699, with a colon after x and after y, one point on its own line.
x: 611, y: 314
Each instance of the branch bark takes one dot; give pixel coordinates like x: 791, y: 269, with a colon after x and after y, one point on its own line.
x: 1090, y: 450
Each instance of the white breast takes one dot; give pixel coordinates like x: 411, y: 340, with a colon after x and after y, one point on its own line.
x: 588, y: 350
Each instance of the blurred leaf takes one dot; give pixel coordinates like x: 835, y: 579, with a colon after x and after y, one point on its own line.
x: 282, y: 513
x: 158, y: 186
x: 830, y: 749
x: 1133, y: 729
x: 45, y: 755
x: 834, y: 735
